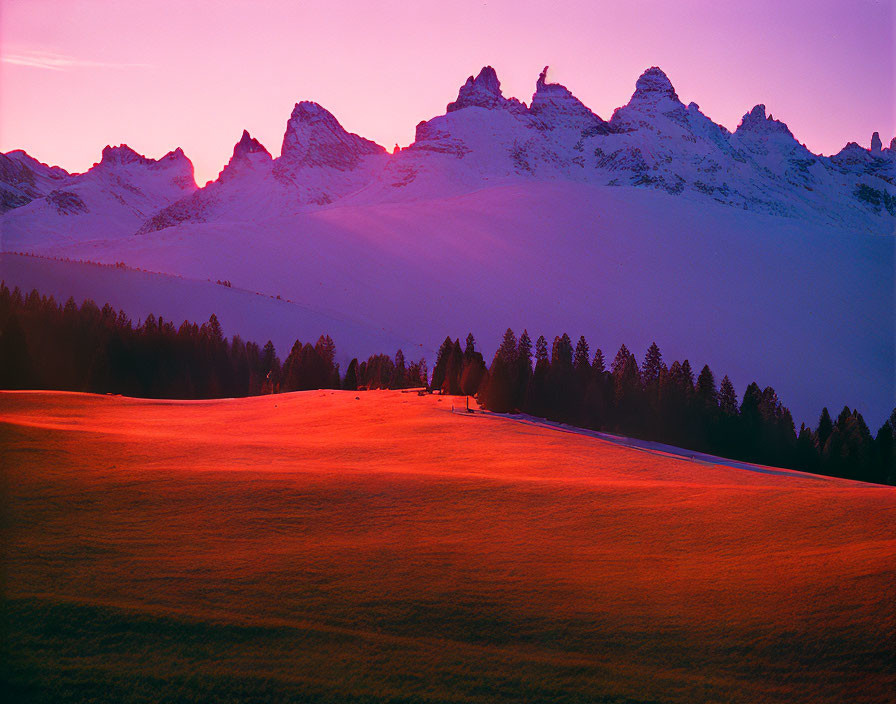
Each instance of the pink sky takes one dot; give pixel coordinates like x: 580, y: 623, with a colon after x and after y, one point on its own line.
x: 79, y: 74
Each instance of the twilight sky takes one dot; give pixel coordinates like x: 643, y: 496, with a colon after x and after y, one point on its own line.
x: 79, y: 74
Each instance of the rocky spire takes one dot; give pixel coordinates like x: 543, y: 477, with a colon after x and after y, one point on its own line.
x: 483, y: 91
x: 247, y: 154
x: 555, y: 105
x: 248, y: 145
x: 876, y: 144
x: 756, y: 122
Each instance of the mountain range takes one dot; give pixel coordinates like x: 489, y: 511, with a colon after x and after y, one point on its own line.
x: 743, y: 247
x: 654, y: 142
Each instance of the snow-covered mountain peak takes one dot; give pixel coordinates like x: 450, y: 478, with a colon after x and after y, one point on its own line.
x: 248, y: 155
x: 654, y: 85
x: 853, y: 154
x: 175, y: 155
x: 483, y: 139
x: 121, y: 159
x: 314, y: 137
x: 756, y: 122
x: 121, y: 154
x: 483, y: 91
x: 653, y: 105
x: 22, y: 157
x: 554, y: 105
x: 309, y: 111
x: 111, y: 198
x: 248, y: 145
x: 24, y: 178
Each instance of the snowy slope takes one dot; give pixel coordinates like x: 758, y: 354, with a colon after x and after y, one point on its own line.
x: 248, y: 314
x: 112, y: 199
x: 808, y: 310
x: 23, y: 178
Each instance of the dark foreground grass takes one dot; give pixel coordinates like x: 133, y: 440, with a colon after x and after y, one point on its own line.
x: 325, y: 549
x: 65, y: 652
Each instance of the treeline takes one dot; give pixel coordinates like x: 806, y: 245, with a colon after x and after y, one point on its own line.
x: 45, y: 345
x: 663, y: 403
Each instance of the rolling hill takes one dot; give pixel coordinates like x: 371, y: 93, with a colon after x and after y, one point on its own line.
x: 377, y: 547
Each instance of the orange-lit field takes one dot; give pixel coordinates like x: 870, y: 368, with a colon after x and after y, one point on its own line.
x: 319, y: 547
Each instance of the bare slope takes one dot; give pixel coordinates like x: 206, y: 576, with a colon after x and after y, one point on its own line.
x: 319, y: 547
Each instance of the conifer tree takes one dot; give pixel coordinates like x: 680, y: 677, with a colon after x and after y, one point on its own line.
x: 270, y: 369
x: 620, y: 359
x: 470, y: 348
x: 706, y: 388
x: 524, y: 352
x: 561, y: 352
x: 474, y: 371
x: 292, y: 369
x: 541, y: 351
x: 438, y: 371
x: 399, y: 373
x: 580, y: 359
x: 507, y: 350
x: 524, y: 370
x: 727, y: 398
x: 687, y: 378
x: 653, y: 366
x: 453, y: 370
x: 627, y: 391
x: 537, y: 401
x: 497, y: 394
x: 885, y: 441
x: 598, y: 365
x: 824, y: 429
x: 326, y: 349
x: 350, y: 383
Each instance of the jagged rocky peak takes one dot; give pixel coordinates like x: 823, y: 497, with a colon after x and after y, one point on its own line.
x: 122, y: 154
x: 555, y: 104
x: 542, y: 83
x: 23, y: 178
x: 25, y: 159
x: 653, y: 106
x: 654, y: 85
x: 482, y: 91
x: 314, y: 137
x: 248, y: 145
x: 176, y: 159
x: 852, y: 154
x: 876, y: 144
x: 756, y: 122
x: 247, y: 153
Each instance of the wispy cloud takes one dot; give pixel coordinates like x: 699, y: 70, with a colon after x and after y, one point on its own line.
x: 58, y: 62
